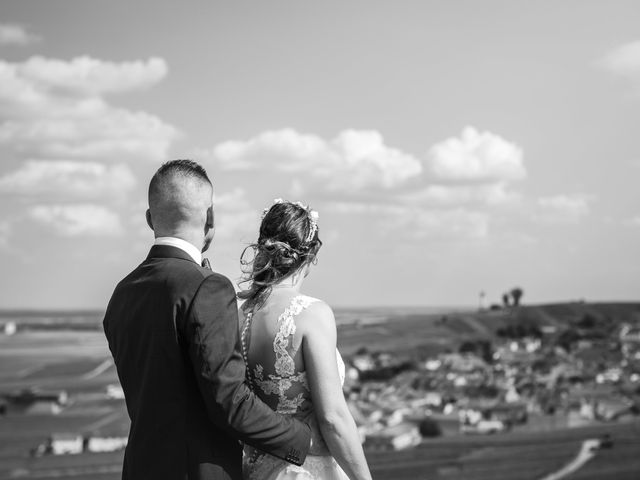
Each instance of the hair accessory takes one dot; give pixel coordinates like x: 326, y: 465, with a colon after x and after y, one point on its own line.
x: 313, y: 220
x: 312, y: 215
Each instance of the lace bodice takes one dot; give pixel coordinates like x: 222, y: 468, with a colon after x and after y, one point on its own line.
x: 282, y: 381
x: 284, y: 388
x: 290, y: 387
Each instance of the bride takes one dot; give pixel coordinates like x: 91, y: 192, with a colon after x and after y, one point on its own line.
x: 289, y: 347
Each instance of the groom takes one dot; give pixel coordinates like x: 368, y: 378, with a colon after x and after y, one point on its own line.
x: 172, y: 328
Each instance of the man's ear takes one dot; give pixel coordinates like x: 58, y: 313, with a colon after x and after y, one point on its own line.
x: 210, y: 218
x: 149, y: 222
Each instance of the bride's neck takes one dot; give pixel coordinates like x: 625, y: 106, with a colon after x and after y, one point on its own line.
x: 292, y: 283
x: 287, y: 286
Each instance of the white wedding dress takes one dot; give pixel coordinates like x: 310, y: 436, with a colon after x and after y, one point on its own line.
x: 284, y: 388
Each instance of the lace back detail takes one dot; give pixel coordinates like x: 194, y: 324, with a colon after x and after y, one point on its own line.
x: 286, y: 328
x: 285, y: 373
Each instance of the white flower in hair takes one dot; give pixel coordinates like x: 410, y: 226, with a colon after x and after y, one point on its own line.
x: 313, y: 219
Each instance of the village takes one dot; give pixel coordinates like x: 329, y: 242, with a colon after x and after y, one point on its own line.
x: 530, y: 379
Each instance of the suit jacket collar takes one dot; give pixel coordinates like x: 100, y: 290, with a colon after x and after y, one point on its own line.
x: 167, y: 251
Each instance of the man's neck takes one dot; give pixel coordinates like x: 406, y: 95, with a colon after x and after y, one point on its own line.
x: 188, y: 247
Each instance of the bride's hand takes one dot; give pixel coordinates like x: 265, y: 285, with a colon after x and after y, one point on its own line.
x: 318, y: 445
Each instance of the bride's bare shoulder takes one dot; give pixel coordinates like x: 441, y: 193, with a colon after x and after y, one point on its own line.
x: 318, y: 315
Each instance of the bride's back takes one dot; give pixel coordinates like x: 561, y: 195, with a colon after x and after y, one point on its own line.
x: 271, y: 344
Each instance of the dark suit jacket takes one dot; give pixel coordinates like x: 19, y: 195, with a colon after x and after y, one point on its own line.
x: 172, y: 328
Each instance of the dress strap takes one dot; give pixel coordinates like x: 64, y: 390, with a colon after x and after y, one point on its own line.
x: 287, y: 327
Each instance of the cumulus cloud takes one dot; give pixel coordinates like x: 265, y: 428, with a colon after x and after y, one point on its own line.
x: 476, y: 156
x: 563, y: 208
x: 73, y: 220
x: 55, y: 109
x: 448, y: 194
x: 67, y: 178
x: 14, y: 34
x: 353, y: 160
x: 89, y: 76
x: 624, y: 60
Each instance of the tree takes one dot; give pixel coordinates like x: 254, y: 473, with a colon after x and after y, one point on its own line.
x: 505, y: 299
x: 467, y: 347
x: 516, y: 294
x: 588, y: 321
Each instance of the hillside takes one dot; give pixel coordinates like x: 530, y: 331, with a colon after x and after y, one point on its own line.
x: 432, y: 333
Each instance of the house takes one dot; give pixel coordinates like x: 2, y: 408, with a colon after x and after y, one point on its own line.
x: 115, y: 391
x: 65, y: 443
x: 105, y: 443
x: 397, y: 437
x: 34, y: 401
x: 610, y: 408
x: 476, y: 414
x: 10, y: 328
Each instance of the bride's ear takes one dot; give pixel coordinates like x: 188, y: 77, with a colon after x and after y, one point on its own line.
x: 149, y: 222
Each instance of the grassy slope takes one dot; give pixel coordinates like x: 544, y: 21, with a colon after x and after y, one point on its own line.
x: 526, y: 456
x: 436, y: 332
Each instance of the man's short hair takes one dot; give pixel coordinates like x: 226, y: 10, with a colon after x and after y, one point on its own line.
x: 183, y: 168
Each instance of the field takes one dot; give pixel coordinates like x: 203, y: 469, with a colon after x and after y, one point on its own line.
x: 79, y: 362
x: 514, y: 456
x: 389, y: 330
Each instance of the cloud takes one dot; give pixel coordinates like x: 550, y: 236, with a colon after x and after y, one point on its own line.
x: 78, y: 219
x: 492, y: 194
x: 476, y: 156
x: 67, y: 178
x: 448, y: 194
x: 86, y: 76
x: 13, y: 34
x: 624, y: 60
x: 353, y: 160
x: 418, y: 223
x: 563, y: 208
x: 54, y: 109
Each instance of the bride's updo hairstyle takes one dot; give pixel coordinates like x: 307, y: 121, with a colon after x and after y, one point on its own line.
x: 288, y: 240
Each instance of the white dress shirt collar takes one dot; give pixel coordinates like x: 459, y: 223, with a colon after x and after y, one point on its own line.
x: 183, y: 245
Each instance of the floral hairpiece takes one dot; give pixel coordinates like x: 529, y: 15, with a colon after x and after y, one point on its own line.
x: 312, y: 215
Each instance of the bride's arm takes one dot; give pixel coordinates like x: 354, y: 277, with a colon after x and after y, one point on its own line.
x: 336, y: 423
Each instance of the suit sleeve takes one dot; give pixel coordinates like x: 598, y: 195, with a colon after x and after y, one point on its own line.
x: 214, y: 350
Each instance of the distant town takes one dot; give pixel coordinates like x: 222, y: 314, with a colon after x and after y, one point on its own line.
x: 530, y: 377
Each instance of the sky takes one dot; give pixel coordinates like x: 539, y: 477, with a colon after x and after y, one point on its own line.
x: 450, y: 147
